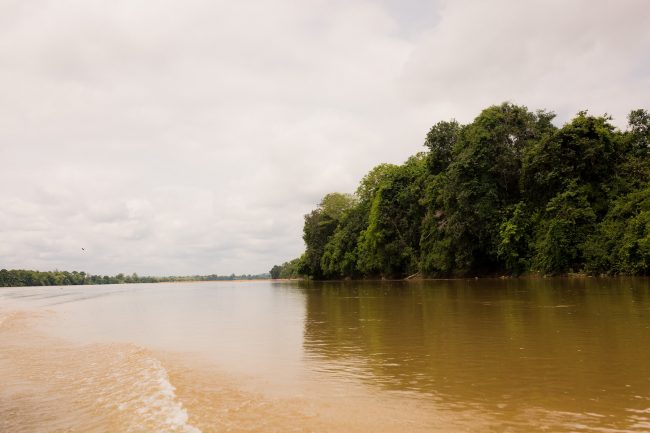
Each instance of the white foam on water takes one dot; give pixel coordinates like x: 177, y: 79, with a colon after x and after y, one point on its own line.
x: 144, y: 390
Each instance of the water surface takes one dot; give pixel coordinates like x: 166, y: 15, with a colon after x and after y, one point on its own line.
x: 466, y: 355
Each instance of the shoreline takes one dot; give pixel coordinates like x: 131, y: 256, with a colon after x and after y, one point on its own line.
x: 574, y: 276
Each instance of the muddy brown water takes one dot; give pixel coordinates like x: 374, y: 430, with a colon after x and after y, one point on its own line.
x: 558, y: 355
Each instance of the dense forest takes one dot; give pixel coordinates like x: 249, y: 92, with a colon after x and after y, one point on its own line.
x: 507, y: 194
x: 20, y: 277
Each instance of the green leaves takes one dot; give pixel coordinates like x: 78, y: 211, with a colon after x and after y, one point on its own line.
x: 621, y: 242
x: 389, y: 246
x: 320, y: 224
x: 507, y: 193
x: 515, y: 236
x: 566, y: 222
x: 441, y: 140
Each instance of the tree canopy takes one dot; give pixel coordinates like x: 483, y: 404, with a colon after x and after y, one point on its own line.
x: 507, y: 193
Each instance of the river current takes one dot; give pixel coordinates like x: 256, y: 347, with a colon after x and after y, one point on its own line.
x: 515, y: 355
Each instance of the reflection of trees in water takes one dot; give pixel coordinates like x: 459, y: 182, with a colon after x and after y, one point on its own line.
x: 555, y: 340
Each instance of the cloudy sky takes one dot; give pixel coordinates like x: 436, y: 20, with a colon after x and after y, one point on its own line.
x: 183, y: 137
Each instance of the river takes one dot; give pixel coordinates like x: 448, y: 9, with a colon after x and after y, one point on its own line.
x: 514, y: 355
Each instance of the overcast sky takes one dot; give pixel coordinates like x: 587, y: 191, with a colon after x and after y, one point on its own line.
x: 185, y: 137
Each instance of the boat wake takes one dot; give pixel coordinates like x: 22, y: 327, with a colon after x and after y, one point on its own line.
x: 50, y: 385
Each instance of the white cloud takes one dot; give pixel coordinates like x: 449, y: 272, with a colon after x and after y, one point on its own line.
x: 563, y: 56
x: 176, y: 138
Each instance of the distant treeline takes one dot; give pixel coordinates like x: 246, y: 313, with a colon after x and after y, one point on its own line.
x: 286, y: 270
x: 20, y: 277
x: 506, y: 194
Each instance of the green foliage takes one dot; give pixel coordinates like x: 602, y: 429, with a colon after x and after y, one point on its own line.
x: 436, y: 253
x: 515, y: 234
x: 621, y: 243
x: 507, y: 193
x: 583, y: 152
x: 632, y: 173
x: 482, y: 181
x: 639, y: 131
x: 275, y: 271
x: 320, y: 224
x: 341, y: 254
x: 441, y: 140
x: 288, y: 270
x: 22, y: 278
x: 335, y: 206
x: 372, y: 181
x: 562, y: 231
x: 389, y: 246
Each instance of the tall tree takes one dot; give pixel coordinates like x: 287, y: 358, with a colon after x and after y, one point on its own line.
x: 482, y: 181
x: 320, y: 224
x: 389, y: 246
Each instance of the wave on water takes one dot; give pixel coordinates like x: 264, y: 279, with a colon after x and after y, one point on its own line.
x: 138, y: 385
x: 50, y: 386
